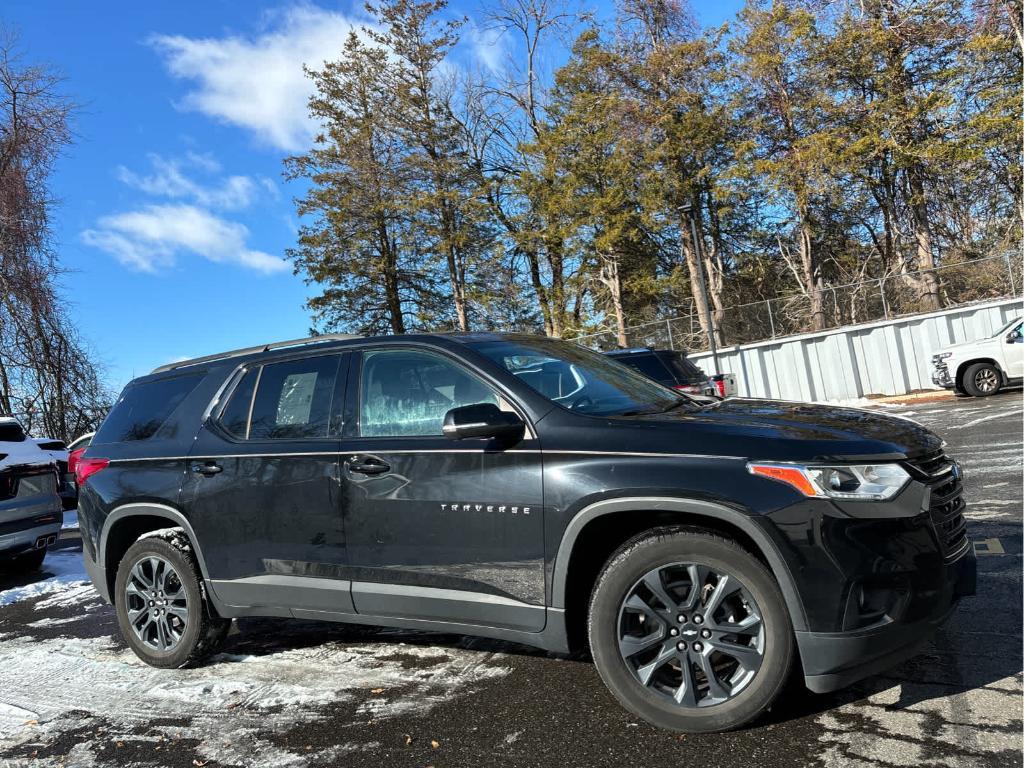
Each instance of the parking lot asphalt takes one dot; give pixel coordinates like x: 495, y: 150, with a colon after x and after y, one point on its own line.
x: 297, y: 694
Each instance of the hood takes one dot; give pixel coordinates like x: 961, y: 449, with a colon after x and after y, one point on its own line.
x: 785, y: 430
x: 967, y: 345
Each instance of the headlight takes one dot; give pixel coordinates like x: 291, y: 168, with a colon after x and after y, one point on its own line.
x: 859, y: 482
x: 941, y: 356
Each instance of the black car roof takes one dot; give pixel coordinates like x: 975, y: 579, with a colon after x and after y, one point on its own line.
x: 329, y: 341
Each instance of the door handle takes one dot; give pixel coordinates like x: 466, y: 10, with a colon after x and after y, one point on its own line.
x: 206, y: 468
x: 368, y: 466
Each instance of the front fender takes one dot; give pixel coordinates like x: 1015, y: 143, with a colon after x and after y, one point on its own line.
x: 690, y: 507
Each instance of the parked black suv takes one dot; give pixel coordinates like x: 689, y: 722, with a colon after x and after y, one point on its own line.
x: 527, y: 489
x: 668, y: 367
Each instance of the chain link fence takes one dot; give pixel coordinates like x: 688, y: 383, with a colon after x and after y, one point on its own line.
x: 882, y: 298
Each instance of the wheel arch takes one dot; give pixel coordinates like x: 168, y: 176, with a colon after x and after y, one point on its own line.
x: 126, y: 523
x: 961, y: 369
x: 629, y: 516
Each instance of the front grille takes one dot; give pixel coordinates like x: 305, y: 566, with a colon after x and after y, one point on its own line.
x: 946, y: 505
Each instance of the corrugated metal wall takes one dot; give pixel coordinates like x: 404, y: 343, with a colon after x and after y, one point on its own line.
x: 886, y: 358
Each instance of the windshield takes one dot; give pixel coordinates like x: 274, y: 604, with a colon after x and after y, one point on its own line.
x: 579, y: 379
x: 1006, y: 328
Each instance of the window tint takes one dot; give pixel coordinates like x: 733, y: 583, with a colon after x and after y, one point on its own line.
x: 293, y: 399
x: 649, y: 365
x: 11, y: 432
x: 235, y: 416
x: 686, y: 370
x: 405, y: 392
x: 143, y: 408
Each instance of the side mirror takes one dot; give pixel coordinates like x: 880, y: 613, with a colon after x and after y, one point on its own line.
x: 482, y: 420
x: 1013, y: 337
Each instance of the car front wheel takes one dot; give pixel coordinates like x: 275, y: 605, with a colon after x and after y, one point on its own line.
x: 690, y: 631
x: 982, y: 380
x: 161, y: 609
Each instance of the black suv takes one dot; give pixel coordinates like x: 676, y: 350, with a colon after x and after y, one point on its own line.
x: 531, y: 490
x: 668, y: 367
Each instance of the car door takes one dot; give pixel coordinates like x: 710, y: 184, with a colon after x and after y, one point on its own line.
x: 438, y: 529
x: 262, y: 487
x: 1013, y: 352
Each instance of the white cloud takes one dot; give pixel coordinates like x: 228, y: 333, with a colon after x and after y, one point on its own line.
x: 170, y: 180
x: 154, y: 236
x: 489, y: 46
x: 257, y: 82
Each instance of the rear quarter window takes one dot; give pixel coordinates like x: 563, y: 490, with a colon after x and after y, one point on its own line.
x: 11, y: 432
x: 685, y: 369
x: 144, y: 407
x: 649, y: 365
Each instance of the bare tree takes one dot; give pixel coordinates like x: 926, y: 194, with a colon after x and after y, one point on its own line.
x: 46, y: 376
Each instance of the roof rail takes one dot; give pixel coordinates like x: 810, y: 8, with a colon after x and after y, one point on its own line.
x: 257, y: 349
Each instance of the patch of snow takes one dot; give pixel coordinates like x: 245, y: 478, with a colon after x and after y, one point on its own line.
x: 228, y: 704
x: 66, y: 570
x: 43, y: 623
x: 167, y: 534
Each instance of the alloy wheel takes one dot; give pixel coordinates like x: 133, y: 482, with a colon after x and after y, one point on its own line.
x: 691, y: 633
x: 986, y: 380
x: 156, y: 603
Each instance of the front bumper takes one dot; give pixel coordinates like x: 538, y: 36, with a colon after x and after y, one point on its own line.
x: 940, y: 375
x: 832, y: 660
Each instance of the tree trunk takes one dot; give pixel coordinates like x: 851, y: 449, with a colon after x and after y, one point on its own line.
x: 556, y: 295
x: 925, y: 282
x: 693, y: 265
x: 714, y: 267
x: 609, y: 276
x: 392, y: 295
x: 542, y: 295
x: 458, y: 283
x: 812, y: 271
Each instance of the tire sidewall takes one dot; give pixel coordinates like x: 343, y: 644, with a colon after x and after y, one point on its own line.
x: 973, y: 371
x: 195, y: 628
x: 623, y: 572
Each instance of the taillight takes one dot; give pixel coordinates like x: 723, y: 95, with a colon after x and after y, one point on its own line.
x: 720, y: 386
x: 73, y: 458
x: 86, y: 467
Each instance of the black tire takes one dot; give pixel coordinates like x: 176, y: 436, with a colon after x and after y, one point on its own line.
x: 982, y: 379
x: 663, y: 548
x: 26, y: 563
x: 203, y: 630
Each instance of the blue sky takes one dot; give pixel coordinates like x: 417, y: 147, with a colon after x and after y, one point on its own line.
x: 173, y: 217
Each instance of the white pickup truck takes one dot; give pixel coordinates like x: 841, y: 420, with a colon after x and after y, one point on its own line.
x: 982, y: 367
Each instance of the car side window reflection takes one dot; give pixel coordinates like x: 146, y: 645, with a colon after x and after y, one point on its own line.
x: 407, y: 392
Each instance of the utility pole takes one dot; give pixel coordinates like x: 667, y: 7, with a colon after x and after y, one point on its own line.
x: 686, y: 208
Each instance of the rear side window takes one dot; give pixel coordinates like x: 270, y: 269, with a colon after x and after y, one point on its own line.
x: 235, y: 416
x: 11, y: 432
x: 649, y: 365
x: 143, y: 408
x: 685, y: 369
x: 293, y: 399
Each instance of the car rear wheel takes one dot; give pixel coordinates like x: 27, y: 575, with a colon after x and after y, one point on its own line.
x: 982, y: 380
x: 161, y: 609
x: 690, y: 631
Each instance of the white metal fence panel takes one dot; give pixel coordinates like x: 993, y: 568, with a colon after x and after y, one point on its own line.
x: 885, y: 358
